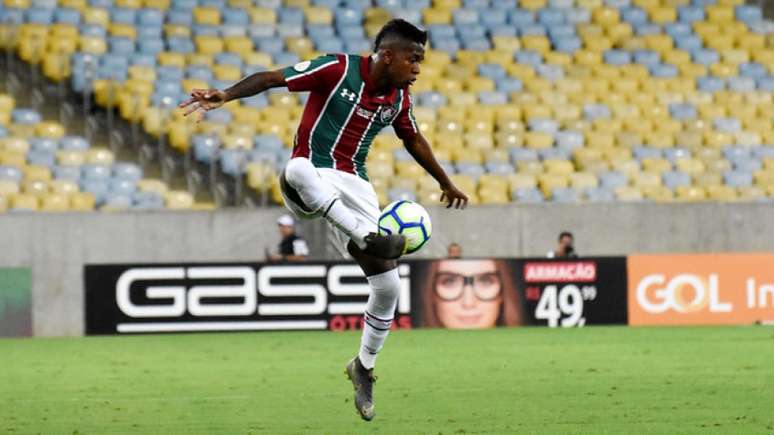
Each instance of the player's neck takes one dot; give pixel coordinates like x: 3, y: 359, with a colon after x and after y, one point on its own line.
x: 377, y: 73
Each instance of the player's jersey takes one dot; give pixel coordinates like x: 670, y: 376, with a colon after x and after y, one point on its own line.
x: 343, y: 113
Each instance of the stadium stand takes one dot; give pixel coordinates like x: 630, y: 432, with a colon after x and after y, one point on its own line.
x: 529, y: 101
x: 43, y: 169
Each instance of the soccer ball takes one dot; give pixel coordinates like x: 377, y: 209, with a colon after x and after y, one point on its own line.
x: 407, y: 218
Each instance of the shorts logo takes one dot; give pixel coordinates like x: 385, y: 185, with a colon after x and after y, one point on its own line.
x: 387, y: 114
x: 302, y: 66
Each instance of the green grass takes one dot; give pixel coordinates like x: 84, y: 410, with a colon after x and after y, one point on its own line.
x: 530, y: 380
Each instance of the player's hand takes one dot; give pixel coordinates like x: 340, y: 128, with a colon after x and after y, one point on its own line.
x: 202, y: 101
x: 453, y: 197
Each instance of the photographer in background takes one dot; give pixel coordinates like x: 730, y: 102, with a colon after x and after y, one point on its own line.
x: 292, y: 247
x: 565, y: 248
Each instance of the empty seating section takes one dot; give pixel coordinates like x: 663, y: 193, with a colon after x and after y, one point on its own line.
x: 523, y: 101
x: 44, y: 169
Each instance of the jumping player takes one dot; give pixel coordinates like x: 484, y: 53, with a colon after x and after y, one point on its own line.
x: 351, y: 99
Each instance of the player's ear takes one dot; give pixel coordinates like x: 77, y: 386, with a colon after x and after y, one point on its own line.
x: 387, y: 55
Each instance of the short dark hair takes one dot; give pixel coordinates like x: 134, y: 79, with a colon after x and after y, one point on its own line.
x: 402, y: 29
x: 565, y: 233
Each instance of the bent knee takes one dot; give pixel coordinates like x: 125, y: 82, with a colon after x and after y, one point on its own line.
x: 299, y: 169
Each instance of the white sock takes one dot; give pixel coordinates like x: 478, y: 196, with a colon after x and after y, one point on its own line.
x: 320, y: 195
x: 380, y: 310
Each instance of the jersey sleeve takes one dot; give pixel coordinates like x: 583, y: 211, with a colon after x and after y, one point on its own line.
x: 405, y: 125
x: 312, y: 74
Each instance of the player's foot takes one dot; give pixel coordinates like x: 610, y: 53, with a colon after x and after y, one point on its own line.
x: 386, y: 246
x: 363, y: 381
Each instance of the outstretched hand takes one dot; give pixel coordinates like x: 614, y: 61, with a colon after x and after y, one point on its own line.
x: 453, y: 197
x: 202, y: 101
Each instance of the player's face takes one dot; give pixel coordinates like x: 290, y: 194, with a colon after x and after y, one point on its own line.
x: 405, y: 67
x: 468, y: 293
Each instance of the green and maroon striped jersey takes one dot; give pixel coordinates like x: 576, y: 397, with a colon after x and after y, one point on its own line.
x: 343, y: 113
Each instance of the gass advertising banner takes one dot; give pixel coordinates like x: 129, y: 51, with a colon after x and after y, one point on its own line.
x: 706, y: 289
x: 484, y: 293
x: 230, y: 297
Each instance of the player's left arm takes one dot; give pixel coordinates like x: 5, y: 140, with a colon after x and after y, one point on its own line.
x: 420, y: 150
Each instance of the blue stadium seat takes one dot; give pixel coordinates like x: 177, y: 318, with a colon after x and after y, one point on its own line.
x: 42, y: 158
x: 10, y: 173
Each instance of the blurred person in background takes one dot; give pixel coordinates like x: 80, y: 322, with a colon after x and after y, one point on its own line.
x: 565, y: 247
x: 470, y: 294
x: 292, y: 247
x: 454, y: 250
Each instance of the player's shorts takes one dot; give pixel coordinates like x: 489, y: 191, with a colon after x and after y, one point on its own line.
x: 357, y: 194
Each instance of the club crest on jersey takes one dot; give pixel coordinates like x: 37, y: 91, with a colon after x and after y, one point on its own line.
x: 349, y: 95
x: 387, y: 114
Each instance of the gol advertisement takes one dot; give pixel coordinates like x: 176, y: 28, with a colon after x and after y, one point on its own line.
x: 707, y: 289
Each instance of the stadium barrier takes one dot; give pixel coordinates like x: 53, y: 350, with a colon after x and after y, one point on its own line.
x: 332, y: 295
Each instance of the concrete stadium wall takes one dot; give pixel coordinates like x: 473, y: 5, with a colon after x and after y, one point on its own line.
x: 57, y: 247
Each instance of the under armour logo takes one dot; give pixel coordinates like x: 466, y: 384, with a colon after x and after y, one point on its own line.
x: 346, y: 93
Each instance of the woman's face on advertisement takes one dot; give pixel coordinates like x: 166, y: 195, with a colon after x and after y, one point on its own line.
x: 468, y: 293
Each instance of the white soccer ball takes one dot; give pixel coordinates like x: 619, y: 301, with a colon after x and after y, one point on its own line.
x: 407, y: 218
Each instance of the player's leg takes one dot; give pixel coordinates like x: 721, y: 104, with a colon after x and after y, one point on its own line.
x: 382, y: 276
x: 302, y: 183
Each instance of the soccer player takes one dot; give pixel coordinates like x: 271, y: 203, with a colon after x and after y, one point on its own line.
x: 351, y: 99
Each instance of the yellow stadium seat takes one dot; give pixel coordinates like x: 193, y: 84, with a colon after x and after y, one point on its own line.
x: 12, y: 158
x: 123, y: 30
x: 751, y: 193
x: 128, y: 4
x: 54, y: 202
x: 605, y: 16
x: 690, y: 193
x: 538, y: 140
x: 152, y: 185
x: 63, y: 187
x: 178, y: 200
x: 720, y: 14
x: 657, y: 165
x: 550, y: 181
x: 161, y: 5
x: 98, y: 156
x: 98, y: 16
x: 22, y: 201
x: 583, y: 180
x: 91, y: 44
x: 540, y: 44
x: 619, y: 31
x: 70, y: 157
x: 716, y: 139
x: 206, y: 15
x: 628, y: 193
x: 8, y: 187
x: 318, y: 15
x: 208, y: 44
x: 260, y: 15
x: 464, y: 182
x: 532, y: 5
x: 466, y: 155
x: 764, y: 179
x: 563, y: 167
x: 509, y: 139
x: 82, y: 201
x: 238, y: 44
x: 479, y: 141
x: 658, y: 193
x: 14, y: 144
x: 521, y: 181
x: 432, y: 16
x: 598, y: 139
x: 536, y: 111
x: 3, y: 204
x: 36, y: 173
x: 227, y: 72
x: 691, y: 166
x: 645, y: 179
x: 177, y: 31
x: 506, y: 43
x: 722, y: 193
x: 80, y: 5
x: 50, y: 129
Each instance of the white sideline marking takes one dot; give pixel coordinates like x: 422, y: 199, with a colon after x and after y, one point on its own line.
x: 222, y: 326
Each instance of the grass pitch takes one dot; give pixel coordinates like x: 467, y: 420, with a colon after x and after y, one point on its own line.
x: 529, y: 380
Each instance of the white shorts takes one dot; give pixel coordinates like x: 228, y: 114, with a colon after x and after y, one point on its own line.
x: 357, y: 194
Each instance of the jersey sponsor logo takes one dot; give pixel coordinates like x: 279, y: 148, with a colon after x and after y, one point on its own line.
x: 387, y: 114
x: 364, y: 113
x: 302, y: 66
x: 347, y: 94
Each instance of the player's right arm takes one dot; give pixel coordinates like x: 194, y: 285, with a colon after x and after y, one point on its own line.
x: 310, y: 75
x: 203, y: 100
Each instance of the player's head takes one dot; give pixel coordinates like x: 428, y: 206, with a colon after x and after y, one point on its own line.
x: 286, y: 225
x: 400, y: 45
